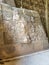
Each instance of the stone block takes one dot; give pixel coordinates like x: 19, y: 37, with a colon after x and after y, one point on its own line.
x: 22, y: 32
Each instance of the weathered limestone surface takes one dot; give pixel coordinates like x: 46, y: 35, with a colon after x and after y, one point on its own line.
x: 22, y: 32
x: 37, y: 5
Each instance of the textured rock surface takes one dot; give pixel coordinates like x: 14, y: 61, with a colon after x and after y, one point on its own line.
x: 38, y: 5
x: 22, y: 32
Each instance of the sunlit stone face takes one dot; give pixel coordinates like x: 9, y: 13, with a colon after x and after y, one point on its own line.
x: 22, y: 32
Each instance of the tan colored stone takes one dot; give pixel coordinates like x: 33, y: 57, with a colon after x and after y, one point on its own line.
x: 22, y: 32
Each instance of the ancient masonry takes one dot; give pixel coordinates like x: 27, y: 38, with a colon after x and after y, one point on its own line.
x: 21, y: 32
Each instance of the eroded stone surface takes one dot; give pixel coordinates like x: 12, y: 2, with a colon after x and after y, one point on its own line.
x: 22, y: 32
